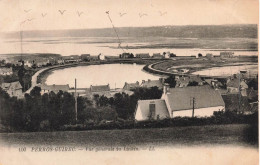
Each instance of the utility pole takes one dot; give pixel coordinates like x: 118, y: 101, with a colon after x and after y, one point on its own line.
x: 193, y: 106
x: 76, y: 102
x: 239, y: 92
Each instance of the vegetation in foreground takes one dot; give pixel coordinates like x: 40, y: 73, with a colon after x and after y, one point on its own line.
x: 231, y: 134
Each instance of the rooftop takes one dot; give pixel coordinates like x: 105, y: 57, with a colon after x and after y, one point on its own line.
x: 11, y: 86
x: 160, y: 108
x: 205, y: 96
x: 152, y: 83
x: 99, y: 88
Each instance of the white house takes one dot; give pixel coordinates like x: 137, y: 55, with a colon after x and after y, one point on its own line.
x: 28, y: 64
x: 151, y: 110
x: 101, y: 57
x: 13, y: 89
x: 204, y: 99
x: 167, y: 55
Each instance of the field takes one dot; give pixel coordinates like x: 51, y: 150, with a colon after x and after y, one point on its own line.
x: 199, y: 64
x: 235, y: 134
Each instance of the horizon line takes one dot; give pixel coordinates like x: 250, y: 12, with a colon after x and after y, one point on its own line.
x: 133, y: 27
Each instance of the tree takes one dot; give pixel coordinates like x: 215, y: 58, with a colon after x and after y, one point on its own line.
x: 253, y: 83
x: 106, y: 113
x: 103, y: 101
x: 193, y: 83
x: 199, y: 55
x: 131, y: 55
x: 36, y: 92
x: 171, y: 81
x: 172, y: 55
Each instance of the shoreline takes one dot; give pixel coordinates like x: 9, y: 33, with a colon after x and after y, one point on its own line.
x: 42, y: 77
x: 148, y: 68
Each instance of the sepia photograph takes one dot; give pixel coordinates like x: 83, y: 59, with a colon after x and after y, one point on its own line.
x: 129, y: 82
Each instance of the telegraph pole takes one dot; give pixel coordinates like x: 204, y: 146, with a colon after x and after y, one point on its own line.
x: 239, y: 93
x: 193, y: 105
x: 76, y: 102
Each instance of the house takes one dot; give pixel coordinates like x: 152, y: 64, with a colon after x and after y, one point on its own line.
x: 209, y: 55
x: 151, y: 110
x: 85, y: 57
x: 99, y: 90
x: 52, y: 61
x: 197, y: 79
x: 6, y: 71
x: 54, y: 88
x: 28, y: 63
x: 181, y: 101
x: 182, y: 81
x: 167, y: 54
x: 214, y: 83
x: 131, y: 86
x: 224, y: 55
x: 101, y: 57
x: 93, y: 58
x: 233, y: 85
x: 71, y: 58
x: 153, y: 83
x: 41, y: 62
x: 142, y: 55
x: 157, y: 55
x: 125, y: 55
x: 60, y: 61
x: 75, y: 57
x: 13, y: 89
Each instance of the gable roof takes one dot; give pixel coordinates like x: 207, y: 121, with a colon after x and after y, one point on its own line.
x: 235, y: 83
x: 131, y: 85
x: 205, y: 96
x: 144, y: 107
x: 11, y: 86
x: 182, y: 80
x: 99, y: 88
x: 196, y: 78
x: 152, y: 83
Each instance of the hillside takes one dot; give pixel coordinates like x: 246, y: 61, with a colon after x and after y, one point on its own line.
x: 189, y: 31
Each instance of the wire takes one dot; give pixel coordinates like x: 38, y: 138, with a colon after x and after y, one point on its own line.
x: 119, y: 41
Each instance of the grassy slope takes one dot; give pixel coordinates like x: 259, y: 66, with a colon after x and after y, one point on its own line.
x: 192, y: 135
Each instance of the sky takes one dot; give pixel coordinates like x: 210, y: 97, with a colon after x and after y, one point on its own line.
x: 176, y: 12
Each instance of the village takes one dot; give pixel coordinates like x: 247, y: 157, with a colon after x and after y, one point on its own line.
x: 180, y: 94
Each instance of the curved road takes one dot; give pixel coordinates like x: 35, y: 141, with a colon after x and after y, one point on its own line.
x: 34, y: 79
